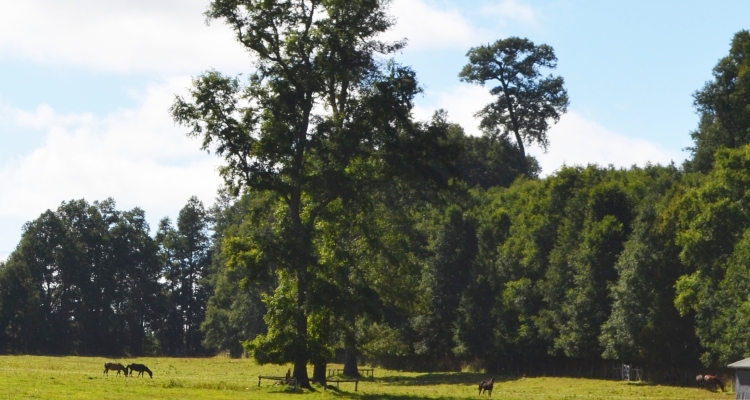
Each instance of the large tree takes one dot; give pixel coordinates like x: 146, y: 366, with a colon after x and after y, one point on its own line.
x: 526, y: 101
x: 319, y: 118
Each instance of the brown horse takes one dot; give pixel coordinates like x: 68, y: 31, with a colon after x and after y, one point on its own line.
x: 714, y: 381
x: 487, y: 386
x: 114, y: 367
x: 140, y: 368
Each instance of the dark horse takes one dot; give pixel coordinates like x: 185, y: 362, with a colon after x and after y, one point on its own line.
x: 140, y: 368
x: 487, y: 386
x: 714, y: 381
x: 114, y: 367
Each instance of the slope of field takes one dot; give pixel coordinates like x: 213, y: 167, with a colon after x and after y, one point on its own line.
x: 33, y: 377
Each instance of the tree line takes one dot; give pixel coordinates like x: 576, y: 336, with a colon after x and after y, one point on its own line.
x: 90, y: 279
x: 347, y: 229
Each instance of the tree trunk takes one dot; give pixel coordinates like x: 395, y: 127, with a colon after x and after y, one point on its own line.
x: 319, y: 372
x: 301, y: 356
x: 350, y: 354
x: 524, y: 161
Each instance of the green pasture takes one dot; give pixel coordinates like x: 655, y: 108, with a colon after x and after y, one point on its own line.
x: 33, y: 377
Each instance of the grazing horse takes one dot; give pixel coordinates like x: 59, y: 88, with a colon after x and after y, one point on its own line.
x: 699, y: 380
x: 114, y: 367
x: 486, y: 386
x: 714, y: 381
x: 141, y: 369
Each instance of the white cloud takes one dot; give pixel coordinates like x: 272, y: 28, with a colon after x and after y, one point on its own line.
x: 461, y: 101
x: 432, y: 25
x: 137, y: 156
x: 575, y: 140
x: 131, y: 36
x: 428, y: 27
x: 578, y: 141
x: 171, y: 36
x: 513, y: 10
x: 44, y: 117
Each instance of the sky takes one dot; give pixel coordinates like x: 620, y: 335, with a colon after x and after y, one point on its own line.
x: 85, y: 88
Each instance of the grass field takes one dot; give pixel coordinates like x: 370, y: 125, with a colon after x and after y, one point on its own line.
x: 33, y: 377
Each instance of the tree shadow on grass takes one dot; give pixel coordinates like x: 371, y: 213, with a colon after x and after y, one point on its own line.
x: 384, y: 396
x: 438, y: 378
x: 649, y: 383
x: 397, y: 397
x: 428, y: 379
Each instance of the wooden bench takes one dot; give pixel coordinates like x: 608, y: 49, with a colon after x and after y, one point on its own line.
x: 282, y: 379
x: 337, y: 381
x: 363, y: 371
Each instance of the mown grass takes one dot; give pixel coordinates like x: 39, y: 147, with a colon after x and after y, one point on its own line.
x: 33, y: 377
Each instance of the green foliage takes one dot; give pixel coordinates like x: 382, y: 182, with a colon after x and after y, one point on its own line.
x: 444, y: 280
x: 20, y: 315
x: 644, y: 326
x: 713, y: 222
x: 491, y: 161
x: 578, y: 264
x: 82, y: 280
x: 278, y: 344
x: 594, y: 222
x: 235, y: 310
x: 186, y: 255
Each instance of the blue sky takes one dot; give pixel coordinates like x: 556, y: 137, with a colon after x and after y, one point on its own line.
x: 85, y: 86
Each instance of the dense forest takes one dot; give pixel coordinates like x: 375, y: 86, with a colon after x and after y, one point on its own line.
x: 346, y: 230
